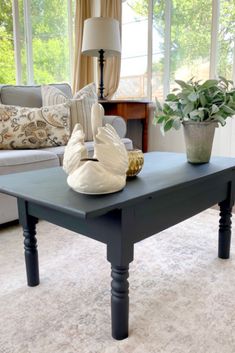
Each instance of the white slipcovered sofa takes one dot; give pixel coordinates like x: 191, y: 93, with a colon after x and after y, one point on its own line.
x: 14, y: 161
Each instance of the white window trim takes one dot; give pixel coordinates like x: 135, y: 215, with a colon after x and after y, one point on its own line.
x: 70, y: 35
x: 214, y: 38
x: 16, y: 34
x: 233, y: 72
x: 167, y: 43
x: 150, y: 49
x: 28, y: 38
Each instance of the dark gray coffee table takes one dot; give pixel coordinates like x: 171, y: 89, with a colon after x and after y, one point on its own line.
x: 167, y: 191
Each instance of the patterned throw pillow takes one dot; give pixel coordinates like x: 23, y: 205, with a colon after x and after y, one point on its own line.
x: 22, y: 128
x: 81, y: 103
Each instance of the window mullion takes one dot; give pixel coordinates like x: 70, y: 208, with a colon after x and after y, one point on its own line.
x: 29, y: 47
x: 150, y: 49
x: 214, y: 38
x: 233, y: 72
x: 16, y: 32
x: 70, y: 34
x: 167, y: 40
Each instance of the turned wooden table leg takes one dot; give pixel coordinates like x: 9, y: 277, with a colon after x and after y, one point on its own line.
x: 119, y: 302
x: 30, y: 243
x: 224, y: 230
x: 31, y: 252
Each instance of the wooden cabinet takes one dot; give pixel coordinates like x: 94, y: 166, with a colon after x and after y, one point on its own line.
x: 131, y: 110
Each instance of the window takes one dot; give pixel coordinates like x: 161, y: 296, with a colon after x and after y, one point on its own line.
x: 158, y: 48
x: 42, y: 43
x: 50, y: 46
x: 186, y: 42
x: 226, y: 38
x: 190, y: 40
x: 7, y: 60
x: 133, y: 82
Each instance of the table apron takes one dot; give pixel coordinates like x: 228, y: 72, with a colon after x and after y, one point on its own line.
x: 162, y: 212
x: 149, y: 216
x: 98, y: 228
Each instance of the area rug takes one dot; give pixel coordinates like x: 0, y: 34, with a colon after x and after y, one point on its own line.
x: 182, y: 297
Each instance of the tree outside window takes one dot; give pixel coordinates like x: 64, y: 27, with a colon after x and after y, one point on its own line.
x: 7, y: 61
x: 190, y: 42
x: 50, y: 42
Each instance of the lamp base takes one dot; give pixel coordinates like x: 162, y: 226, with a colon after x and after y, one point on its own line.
x: 101, y: 61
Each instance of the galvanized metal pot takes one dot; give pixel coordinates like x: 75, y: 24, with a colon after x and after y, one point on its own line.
x: 198, y: 140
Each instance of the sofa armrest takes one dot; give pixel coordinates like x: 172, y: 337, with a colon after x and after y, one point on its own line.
x: 117, y: 122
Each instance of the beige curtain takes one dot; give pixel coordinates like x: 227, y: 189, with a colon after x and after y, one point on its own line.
x: 112, y: 67
x: 83, y: 72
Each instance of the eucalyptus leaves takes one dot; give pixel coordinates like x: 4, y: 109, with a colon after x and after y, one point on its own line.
x: 213, y: 100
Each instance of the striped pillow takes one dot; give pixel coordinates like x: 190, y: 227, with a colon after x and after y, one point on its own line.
x: 81, y: 103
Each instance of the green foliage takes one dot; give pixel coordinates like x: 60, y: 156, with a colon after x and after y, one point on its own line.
x: 49, y: 41
x: 49, y: 18
x: 7, y: 63
x: 191, y: 31
x: 6, y: 21
x: 213, y: 100
x: 226, y: 37
x: 50, y: 60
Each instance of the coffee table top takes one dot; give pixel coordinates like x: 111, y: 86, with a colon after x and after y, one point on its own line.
x: 161, y: 173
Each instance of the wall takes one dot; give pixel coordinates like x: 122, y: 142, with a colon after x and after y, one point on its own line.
x: 224, y: 142
x: 173, y: 141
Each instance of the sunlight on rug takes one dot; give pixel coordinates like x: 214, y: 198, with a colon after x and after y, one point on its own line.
x: 181, y: 295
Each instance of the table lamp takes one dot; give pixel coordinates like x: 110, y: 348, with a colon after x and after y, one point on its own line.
x: 101, y: 38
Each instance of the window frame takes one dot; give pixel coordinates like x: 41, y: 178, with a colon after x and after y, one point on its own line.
x: 214, y: 38
x: 28, y: 40
x: 16, y: 36
x: 214, y: 47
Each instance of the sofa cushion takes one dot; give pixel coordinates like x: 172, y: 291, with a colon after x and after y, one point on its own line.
x: 117, y: 122
x: 90, y: 146
x: 81, y: 103
x: 28, y: 96
x: 34, y: 127
x: 128, y: 143
x: 59, y: 151
x: 9, y: 212
x: 15, y: 161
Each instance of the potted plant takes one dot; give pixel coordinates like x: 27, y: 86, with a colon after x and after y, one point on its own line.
x: 199, y: 107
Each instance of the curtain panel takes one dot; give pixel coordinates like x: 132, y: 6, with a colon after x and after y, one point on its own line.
x: 83, y: 72
x: 112, y: 67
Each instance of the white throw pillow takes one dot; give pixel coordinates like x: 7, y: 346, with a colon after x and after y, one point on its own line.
x: 81, y: 103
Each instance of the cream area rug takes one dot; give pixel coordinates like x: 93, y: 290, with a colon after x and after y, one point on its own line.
x: 182, y: 297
